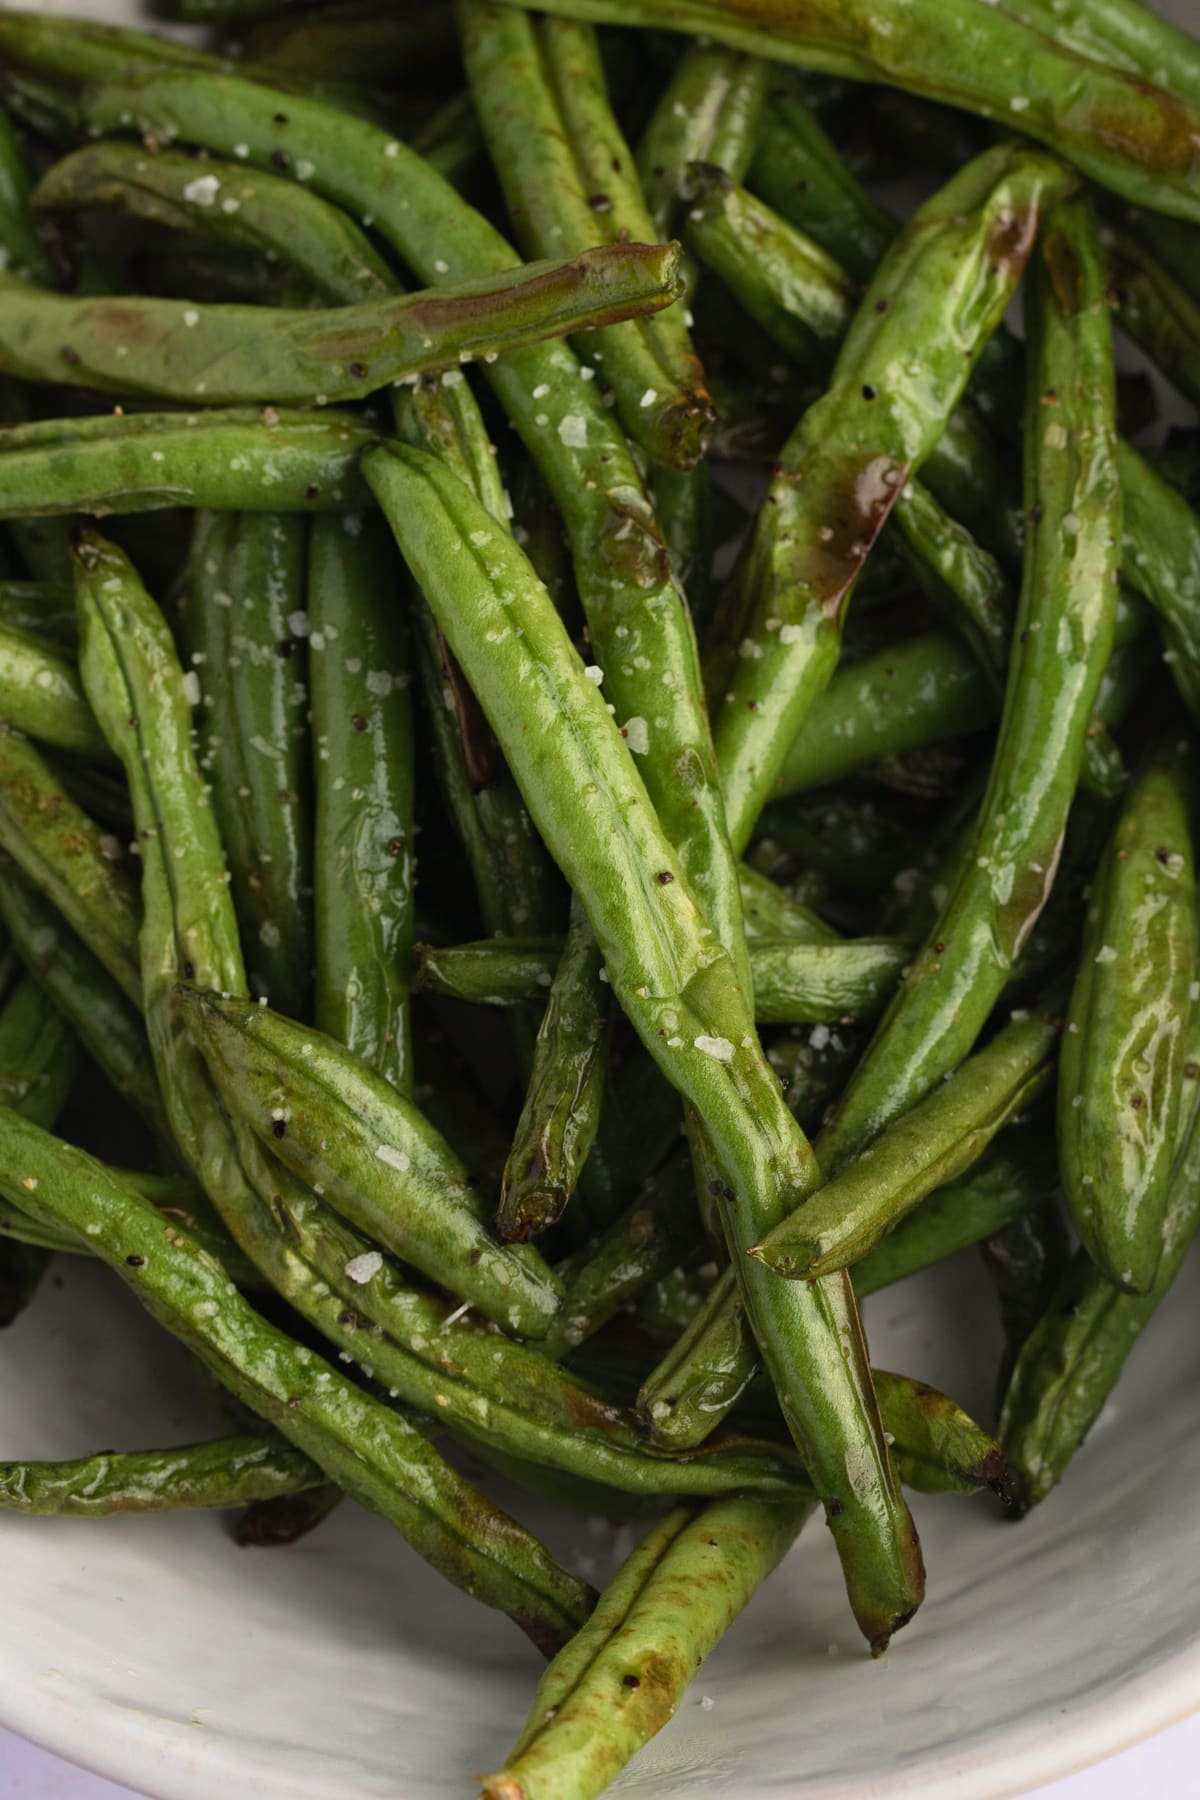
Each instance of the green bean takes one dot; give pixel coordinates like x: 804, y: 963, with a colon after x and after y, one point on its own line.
x: 940, y: 1448
x: 108, y: 1026
x: 1157, y: 312
x: 80, y: 869
x: 849, y: 839
x: 1162, y: 561
x: 374, y: 1453
x: 850, y: 457
x: 706, y: 1372
x: 259, y: 212
x: 669, y: 973
x: 245, y: 629
x: 226, y: 1472
x: 771, y: 911
x: 1062, y: 642
x: 561, y: 1111
x: 1174, y: 246
x: 1025, y: 1261
x: 235, y: 355
x: 569, y: 179
x: 39, y: 1056
x: 939, y: 1139
x: 343, y: 1129
x: 984, y: 60
x: 709, y: 112
x: 683, y: 501
x: 364, y: 859
x: 812, y: 1063
x: 1121, y: 1070
x: 800, y: 173
x: 959, y: 577
x: 21, y: 251
x: 639, y: 1125
x: 1124, y: 35
x: 40, y: 694
x: 912, y: 693
x: 1073, y: 1357
x: 38, y: 609
x: 645, y: 1243
x: 793, y: 983
x: 268, y: 461
x: 176, y: 1198
x: 622, y: 1677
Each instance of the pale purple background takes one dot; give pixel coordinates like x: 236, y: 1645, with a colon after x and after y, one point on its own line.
x: 1168, y: 1766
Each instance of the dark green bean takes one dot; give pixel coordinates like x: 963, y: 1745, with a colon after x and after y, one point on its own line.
x: 268, y: 461
x: 21, y: 251
x: 801, y: 174
x: 39, y: 609
x: 1121, y: 1069
x: 108, y: 1026
x: 234, y: 355
x: 1124, y: 35
x: 1062, y: 642
x: 1025, y: 1260
x: 79, y: 868
x: 286, y: 1518
x: 245, y: 629
x: 709, y: 112
x: 257, y: 212
x: 362, y: 43
x: 561, y: 1110
x: 362, y: 725
x: 1157, y: 312
x: 1074, y: 1356
x: 226, y: 1472
x: 40, y: 694
x: 1162, y: 561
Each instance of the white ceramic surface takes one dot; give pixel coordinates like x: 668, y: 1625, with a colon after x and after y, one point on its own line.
x: 154, y: 1652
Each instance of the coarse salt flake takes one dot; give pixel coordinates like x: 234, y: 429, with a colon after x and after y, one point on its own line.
x: 361, y: 1268
x: 191, y: 688
x: 395, y: 1159
x: 718, y: 1047
x: 594, y: 672
x: 203, y: 191
x: 572, y: 431
x: 637, y: 735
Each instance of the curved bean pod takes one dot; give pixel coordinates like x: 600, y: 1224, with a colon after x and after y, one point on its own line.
x: 39, y: 609
x: 22, y: 250
x: 1121, y: 1069
x: 234, y: 355
x: 1158, y: 312
x: 709, y: 112
x: 333, y: 254
x: 1062, y: 642
x: 1162, y: 561
x: 40, y: 694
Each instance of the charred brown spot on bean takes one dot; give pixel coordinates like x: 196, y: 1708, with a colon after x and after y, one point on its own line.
x: 286, y: 647
x: 279, y: 1128
x: 473, y: 1256
x: 630, y: 1681
x: 869, y: 392
x: 356, y: 369
x: 311, y: 491
x: 136, y: 1262
x: 664, y: 877
x: 834, y: 1508
x: 279, y: 159
x: 348, y: 1319
x: 189, y: 971
x: 358, y: 722
x: 600, y: 202
x: 395, y: 846
x: 70, y: 356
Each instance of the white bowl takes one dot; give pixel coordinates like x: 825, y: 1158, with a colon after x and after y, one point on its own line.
x: 154, y: 1652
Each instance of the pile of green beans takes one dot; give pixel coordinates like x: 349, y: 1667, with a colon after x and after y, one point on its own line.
x: 511, y: 928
